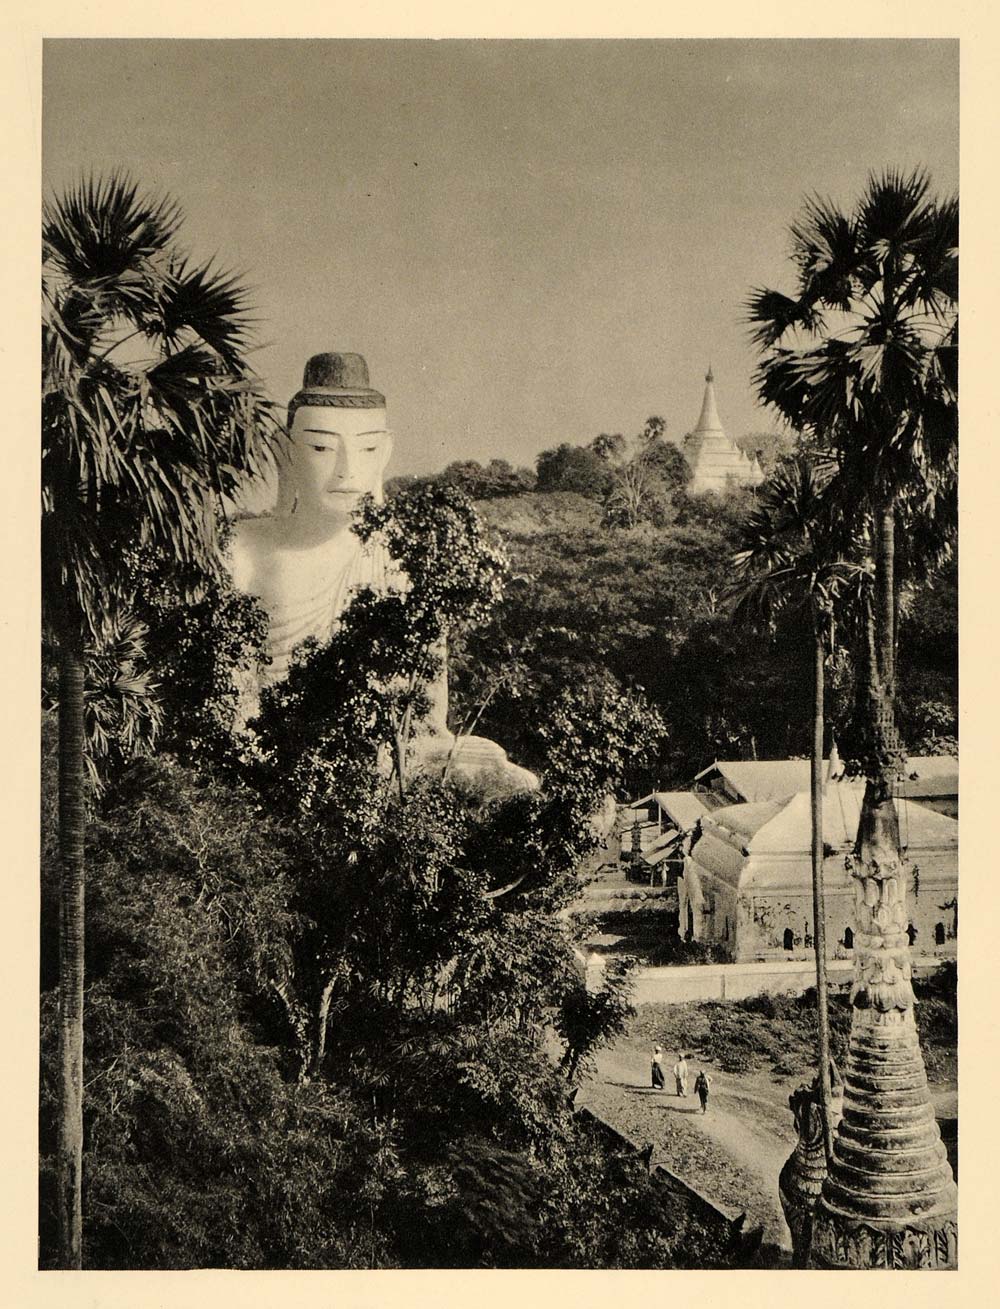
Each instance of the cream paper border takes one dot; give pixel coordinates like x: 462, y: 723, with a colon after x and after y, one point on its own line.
x: 24, y: 26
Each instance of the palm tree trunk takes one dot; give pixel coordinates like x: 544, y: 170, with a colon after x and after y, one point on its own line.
x: 885, y: 582
x: 819, y: 903
x: 72, y: 794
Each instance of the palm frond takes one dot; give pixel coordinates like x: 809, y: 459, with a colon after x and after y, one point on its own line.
x: 798, y: 549
x: 213, y: 305
x: 122, y: 714
x: 102, y: 229
x: 825, y: 251
x: 776, y: 314
x: 893, y: 211
x: 136, y: 450
x: 933, y: 282
x: 809, y: 388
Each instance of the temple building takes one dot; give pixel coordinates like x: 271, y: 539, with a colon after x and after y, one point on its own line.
x: 747, y: 880
x: 717, y: 463
x: 737, y: 847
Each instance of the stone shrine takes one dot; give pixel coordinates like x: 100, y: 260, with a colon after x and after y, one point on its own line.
x: 889, y: 1199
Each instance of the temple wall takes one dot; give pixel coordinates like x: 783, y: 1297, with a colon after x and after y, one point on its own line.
x: 750, y: 919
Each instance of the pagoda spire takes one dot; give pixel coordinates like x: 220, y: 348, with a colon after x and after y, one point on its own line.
x: 709, y: 420
x: 717, y: 463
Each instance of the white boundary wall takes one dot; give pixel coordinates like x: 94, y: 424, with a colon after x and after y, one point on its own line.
x: 677, y: 983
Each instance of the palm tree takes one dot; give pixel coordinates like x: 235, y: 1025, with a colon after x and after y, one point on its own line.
x: 795, y: 558
x: 864, y: 357
x: 148, y: 413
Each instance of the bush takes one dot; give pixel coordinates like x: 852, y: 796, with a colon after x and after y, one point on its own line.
x: 760, y: 1004
x: 942, y: 982
x: 779, y: 1032
x: 573, y: 468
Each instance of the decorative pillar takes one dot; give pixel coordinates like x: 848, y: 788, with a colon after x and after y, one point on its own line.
x: 889, y: 1199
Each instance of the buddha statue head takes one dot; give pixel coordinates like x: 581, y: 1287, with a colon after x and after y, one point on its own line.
x: 339, y: 442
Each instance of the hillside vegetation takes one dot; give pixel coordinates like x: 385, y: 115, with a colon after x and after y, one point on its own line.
x: 649, y: 608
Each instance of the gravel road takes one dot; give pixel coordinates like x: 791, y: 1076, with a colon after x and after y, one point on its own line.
x: 733, y: 1153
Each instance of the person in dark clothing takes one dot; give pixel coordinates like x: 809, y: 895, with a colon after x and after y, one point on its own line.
x: 701, y: 1084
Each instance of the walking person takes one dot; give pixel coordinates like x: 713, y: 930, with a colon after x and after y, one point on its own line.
x: 681, y: 1075
x: 656, y: 1068
x: 701, y: 1084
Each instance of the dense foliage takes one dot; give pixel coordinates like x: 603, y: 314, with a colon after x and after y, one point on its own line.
x: 652, y: 608
x: 435, y: 1131
x: 306, y: 988
x: 325, y: 984
x: 319, y: 1004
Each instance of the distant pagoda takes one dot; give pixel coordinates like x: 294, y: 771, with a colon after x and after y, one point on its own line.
x: 716, y: 462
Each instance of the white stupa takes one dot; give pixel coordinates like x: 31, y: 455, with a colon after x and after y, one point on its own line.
x: 717, y: 463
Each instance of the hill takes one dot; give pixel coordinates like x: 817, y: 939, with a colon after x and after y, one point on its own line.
x: 649, y: 607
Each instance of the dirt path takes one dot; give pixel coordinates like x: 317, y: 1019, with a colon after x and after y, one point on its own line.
x: 732, y: 1154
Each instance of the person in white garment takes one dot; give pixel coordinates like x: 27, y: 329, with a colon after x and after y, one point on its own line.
x: 681, y: 1075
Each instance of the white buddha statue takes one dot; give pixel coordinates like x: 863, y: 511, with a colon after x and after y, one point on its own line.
x: 304, y: 563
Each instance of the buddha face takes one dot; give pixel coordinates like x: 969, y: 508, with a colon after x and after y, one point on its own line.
x: 337, y: 456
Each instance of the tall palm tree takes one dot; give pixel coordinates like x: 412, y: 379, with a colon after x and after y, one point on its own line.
x: 864, y: 356
x: 795, y: 558
x: 149, y: 412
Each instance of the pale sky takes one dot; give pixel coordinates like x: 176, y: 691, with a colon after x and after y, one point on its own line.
x: 530, y: 241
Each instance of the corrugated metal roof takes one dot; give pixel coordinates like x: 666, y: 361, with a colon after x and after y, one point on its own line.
x: 683, y: 807
x: 762, y: 779
x: 661, y: 848
x: 772, y: 779
x: 746, y: 820
x: 653, y: 858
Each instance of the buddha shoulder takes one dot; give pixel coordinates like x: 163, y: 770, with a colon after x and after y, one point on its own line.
x: 252, y: 543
